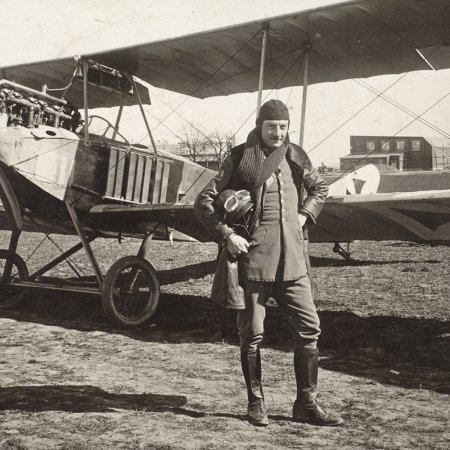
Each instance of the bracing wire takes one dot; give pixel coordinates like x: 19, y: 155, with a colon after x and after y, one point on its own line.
x: 382, y: 95
x: 83, y: 194
x: 377, y: 148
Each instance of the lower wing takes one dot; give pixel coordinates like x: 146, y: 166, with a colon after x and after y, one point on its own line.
x: 406, y: 216
x: 138, y: 220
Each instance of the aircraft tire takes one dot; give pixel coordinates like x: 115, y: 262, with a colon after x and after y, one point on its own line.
x: 10, y: 297
x: 130, y: 305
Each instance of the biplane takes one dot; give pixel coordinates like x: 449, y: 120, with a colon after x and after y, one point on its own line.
x: 59, y: 174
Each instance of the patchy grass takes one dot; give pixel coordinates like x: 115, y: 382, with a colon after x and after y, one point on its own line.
x: 71, y: 380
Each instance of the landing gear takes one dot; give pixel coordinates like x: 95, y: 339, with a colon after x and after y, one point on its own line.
x: 130, y: 291
x: 14, y: 268
x: 344, y: 253
x: 9, y: 296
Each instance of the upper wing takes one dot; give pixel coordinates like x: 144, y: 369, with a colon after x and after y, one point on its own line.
x: 407, y: 216
x: 350, y: 39
x: 66, y: 73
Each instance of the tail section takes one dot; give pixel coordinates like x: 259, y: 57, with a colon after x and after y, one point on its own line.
x: 364, y: 180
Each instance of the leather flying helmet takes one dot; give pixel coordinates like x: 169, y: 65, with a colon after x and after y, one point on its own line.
x: 235, y: 204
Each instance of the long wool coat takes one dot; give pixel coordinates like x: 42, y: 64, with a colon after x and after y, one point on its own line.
x: 277, y: 250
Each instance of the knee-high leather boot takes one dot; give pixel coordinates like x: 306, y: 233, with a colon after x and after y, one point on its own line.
x: 306, y: 408
x: 251, y: 368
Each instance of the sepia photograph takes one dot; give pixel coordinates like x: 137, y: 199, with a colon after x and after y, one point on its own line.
x: 225, y: 224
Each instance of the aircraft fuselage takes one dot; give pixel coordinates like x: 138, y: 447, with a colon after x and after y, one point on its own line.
x: 49, y: 164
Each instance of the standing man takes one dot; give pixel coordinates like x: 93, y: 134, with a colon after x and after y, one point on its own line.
x: 274, y: 262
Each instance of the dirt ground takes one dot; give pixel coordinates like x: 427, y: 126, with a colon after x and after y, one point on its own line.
x: 71, y: 380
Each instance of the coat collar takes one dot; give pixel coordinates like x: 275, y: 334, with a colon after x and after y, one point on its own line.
x: 293, y: 155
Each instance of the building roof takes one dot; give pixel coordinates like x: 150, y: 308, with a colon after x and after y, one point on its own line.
x: 438, y: 141
x: 370, y: 155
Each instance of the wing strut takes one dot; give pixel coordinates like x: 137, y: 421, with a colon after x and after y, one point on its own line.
x: 119, y: 116
x: 85, y: 100
x: 141, y: 107
x: 304, y: 95
x: 261, y: 68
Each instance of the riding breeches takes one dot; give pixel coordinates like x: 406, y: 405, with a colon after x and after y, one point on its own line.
x: 295, y: 301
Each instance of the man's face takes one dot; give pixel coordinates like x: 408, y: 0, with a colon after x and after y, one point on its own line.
x: 273, y: 132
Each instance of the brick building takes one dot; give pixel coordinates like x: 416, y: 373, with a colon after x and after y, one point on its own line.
x: 401, y: 152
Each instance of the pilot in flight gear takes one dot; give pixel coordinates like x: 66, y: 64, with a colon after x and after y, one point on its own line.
x: 272, y: 258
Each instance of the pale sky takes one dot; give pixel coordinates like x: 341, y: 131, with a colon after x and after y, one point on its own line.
x: 38, y: 30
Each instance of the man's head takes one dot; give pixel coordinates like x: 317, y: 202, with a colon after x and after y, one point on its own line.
x: 273, y: 123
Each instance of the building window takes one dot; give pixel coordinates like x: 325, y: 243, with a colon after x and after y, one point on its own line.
x: 385, y: 147
x: 415, y: 145
x: 370, y: 146
x: 400, y: 145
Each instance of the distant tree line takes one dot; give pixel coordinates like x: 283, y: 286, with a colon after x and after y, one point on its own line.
x: 206, y: 149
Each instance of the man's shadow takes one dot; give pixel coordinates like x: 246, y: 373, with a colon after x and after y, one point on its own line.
x: 89, y: 399
x: 83, y: 398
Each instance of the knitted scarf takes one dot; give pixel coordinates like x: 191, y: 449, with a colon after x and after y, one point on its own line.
x: 259, y: 163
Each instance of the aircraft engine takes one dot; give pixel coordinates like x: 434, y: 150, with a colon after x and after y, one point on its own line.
x: 22, y: 106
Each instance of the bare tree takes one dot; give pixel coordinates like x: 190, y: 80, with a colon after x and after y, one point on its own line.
x: 206, y: 149
x: 193, y: 142
x: 222, y: 144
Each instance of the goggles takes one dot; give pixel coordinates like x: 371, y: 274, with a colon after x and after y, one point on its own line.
x: 236, y: 204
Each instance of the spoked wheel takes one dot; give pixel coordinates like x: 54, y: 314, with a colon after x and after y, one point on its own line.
x: 9, y: 296
x: 130, y: 291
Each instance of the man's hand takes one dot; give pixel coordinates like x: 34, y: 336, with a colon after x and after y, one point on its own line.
x: 302, y: 218
x: 237, y: 245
